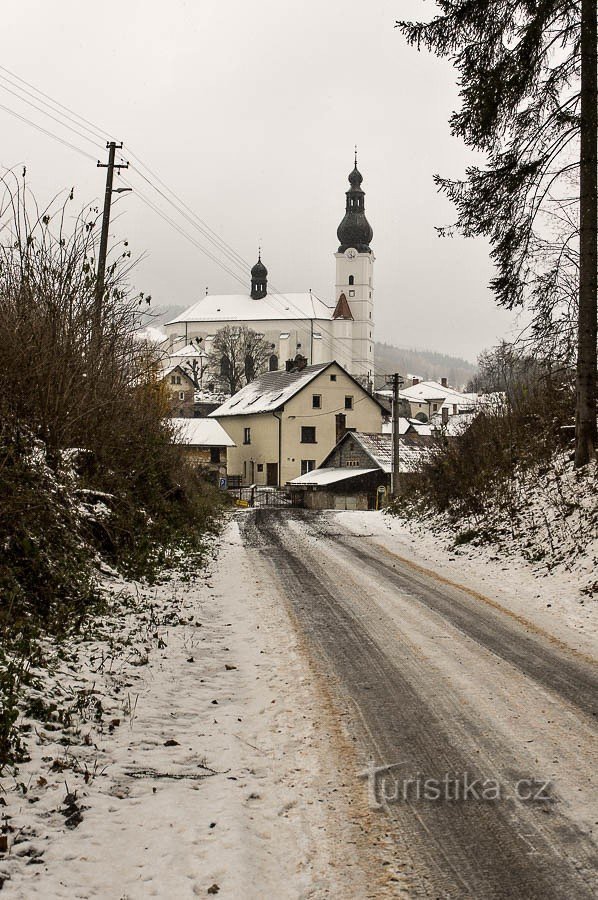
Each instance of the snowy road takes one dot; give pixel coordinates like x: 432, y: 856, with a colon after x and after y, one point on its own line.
x: 447, y: 691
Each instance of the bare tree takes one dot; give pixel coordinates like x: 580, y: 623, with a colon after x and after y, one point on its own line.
x: 238, y: 355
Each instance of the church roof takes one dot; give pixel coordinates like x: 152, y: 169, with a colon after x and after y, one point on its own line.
x: 343, y: 310
x: 243, y: 308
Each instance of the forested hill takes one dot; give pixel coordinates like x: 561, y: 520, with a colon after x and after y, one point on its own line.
x: 426, y: 364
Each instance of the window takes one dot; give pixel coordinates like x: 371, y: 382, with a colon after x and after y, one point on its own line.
x: 215, y: 455
x: 351, y: 279
x: 351, y: 293
x: 348, y: 402
x: 273, y: 363
x: 173, y: 379
x: 307, y: 465
x: 260, y: 467
x: 308, y: 434
x: 181, y: 395
x: 316, y: 401
x: 178, y: 379
x: 333, y: 377
x: 247, y: 435
x: 434, y: 407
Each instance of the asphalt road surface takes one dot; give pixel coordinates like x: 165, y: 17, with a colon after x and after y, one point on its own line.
x: 483, y: 730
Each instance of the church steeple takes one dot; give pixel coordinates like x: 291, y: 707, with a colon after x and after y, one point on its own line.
x: 355, y: 230
x: 259, y: 279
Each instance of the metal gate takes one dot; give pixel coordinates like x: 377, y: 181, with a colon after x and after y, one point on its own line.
x: 261, y: 496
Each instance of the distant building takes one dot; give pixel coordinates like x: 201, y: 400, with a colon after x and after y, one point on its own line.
x: 205, y: 443
x: 340, y: 329
x: 426, y: 399
x: 284, y: 424
x: 180, y: 389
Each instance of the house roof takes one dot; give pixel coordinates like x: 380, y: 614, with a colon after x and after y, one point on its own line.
x: 268, y: 392
x: 172, y: 368
x: 200, y: 433
x: 433, y: 391
x: 379, y: 449
x: 329, y: 476
x: 272, y: 390
x: 189, y: 351
x: 244, y: 308
x: 408, y: 426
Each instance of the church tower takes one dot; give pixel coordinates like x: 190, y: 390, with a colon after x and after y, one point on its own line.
x: 355, y: 277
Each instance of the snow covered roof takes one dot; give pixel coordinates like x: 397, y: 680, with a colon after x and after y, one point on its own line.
x: 433, y: 391
x: 379, y: 449
x: 404, y: 425
x: 329, y: 476
x: 173, y: 368
x: 200, y: 433
x: 243, y: 308
x: 268, y: 392
x: 189, y: 351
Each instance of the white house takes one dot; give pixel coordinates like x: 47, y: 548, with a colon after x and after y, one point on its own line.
x: 283, y: 424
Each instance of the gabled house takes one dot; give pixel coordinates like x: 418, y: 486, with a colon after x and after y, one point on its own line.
x: 284, y: 424
x: 356, y: 474
x: 180, y: 390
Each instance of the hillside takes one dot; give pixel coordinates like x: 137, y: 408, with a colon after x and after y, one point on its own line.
x: 426, y: 364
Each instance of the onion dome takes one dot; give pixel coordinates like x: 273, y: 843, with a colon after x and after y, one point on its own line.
x: 355, y: 230
x: 259, y: 279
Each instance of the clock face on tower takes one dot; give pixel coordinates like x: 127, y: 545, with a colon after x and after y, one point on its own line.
x: 351, y: 253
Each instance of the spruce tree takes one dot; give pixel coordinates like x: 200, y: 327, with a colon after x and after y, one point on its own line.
x: 527, y: 78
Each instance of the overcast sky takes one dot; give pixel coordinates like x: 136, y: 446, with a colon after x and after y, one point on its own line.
x: 249, y: 111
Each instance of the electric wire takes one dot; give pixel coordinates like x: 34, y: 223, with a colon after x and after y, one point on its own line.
x: 183, y: 210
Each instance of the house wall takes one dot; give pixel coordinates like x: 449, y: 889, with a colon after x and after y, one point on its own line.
x: 245, y: 459
x: 180, y: 396
x: 350, y: 455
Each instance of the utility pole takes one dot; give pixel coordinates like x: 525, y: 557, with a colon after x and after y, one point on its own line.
x: 396, y: 382
x: 112, y: 147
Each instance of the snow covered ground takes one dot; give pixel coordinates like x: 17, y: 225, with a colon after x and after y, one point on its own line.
x: 557, y: 601
x: 185, y: 754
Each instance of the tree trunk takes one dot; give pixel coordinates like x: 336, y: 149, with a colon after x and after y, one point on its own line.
x: 585, y: 411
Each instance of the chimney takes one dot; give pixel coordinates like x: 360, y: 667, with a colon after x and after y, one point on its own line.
x: 444, y: 382
x: 445, y: 413
x: 288, y: 366
x: 300, y: 362
x: 415, y: 380
x: 341, y: 426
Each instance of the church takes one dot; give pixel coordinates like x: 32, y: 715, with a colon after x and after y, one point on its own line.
x: 302, y: 323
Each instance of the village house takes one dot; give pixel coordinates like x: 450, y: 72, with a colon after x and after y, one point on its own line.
x: 180, y: 390
x: 285, y: 423
x: 205, y: 444
x: 356, y: 474
x: 424, y: 399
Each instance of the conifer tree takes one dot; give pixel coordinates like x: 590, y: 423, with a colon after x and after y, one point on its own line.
x: 528, y: 101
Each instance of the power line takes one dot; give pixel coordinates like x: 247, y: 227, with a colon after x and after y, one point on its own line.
x: 95, y: 140
x: 46, y: 132
x: 102, y: 134
x: 182, y: 208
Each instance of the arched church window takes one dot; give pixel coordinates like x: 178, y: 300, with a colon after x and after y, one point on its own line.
x: 351, y: 279
x: 273, y: 363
